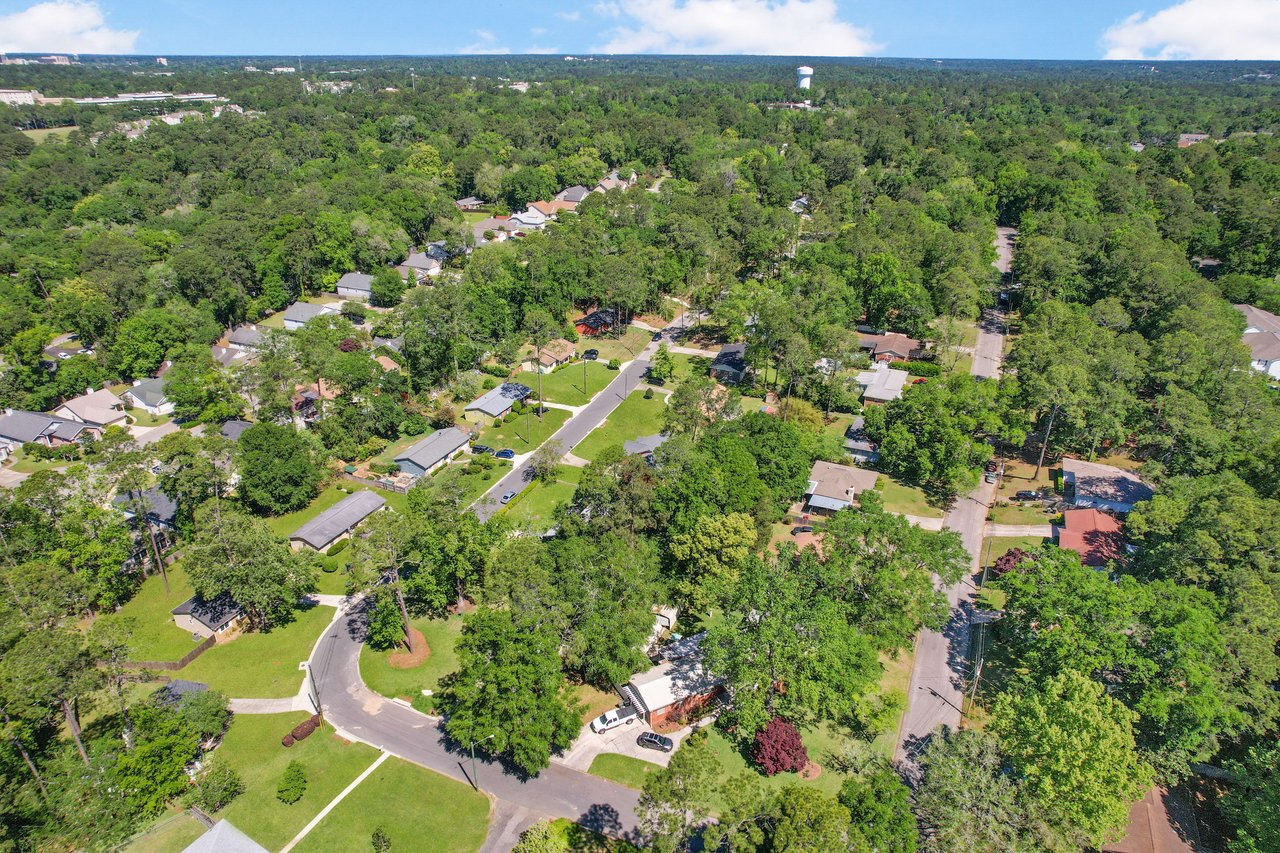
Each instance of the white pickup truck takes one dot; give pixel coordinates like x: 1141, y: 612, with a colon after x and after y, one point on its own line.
x: 614, y: 717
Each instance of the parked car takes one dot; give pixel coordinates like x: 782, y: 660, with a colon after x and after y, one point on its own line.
x: 64, y: 354
x: 481, y: 449
x: 919, y: 381
x: 650, y: 740
x: 506, y: 453
x: 803, y: 528
x: 657, y: 336
x: 614, y: 717
x: 591, y: 355
x: 506, y: 497
x: 1027, y: 495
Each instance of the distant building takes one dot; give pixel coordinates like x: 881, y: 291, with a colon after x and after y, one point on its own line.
x: 337, y: 521
x: 1262, y: 337
x: 284, y: 69
x: 160, y: 60
x: 890, y: 346
x: 804, y: 77
x: 470, y: 203
x: 857, y: 445
x: 432, y: 452
x: 1186, y: 140
x: 423, y: 264
x: 202, y: 618
x: 244, y: 337
x: 355, y: 285
x: 18, y: 97
x: 574, y: 194
x: 882, y: 383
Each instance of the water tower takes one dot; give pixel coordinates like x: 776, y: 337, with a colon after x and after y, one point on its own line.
x: 804, y: 77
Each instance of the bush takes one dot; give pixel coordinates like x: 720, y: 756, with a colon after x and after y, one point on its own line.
x: 293, y: 785
x: 614, y: 364
x: 509, y: 417
x: 922, y: 368
x: 380, y: 841
x: 1010, y: 560
x: 303, y: 730
x: 497, y: 422
x: 286, y: 741
x: 779, y: 748
x: 328, y: 566
x: 648, y: 393
x: 355, y: 312
x: 338, y: 547
x: 217, y: 786
x: 415, y: 424
x: 317, y: 720
x: 495, y: 370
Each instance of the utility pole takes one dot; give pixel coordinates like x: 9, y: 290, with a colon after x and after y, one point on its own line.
x: 475, y: 782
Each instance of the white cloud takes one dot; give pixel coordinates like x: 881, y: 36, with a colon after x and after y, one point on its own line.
x: 575, y: 15
x: 608, y: 10
x: 538, y: 31
x: 67, y: 26
x: 1199, y: 29
x: 486, y: 42
x: 767, y: 27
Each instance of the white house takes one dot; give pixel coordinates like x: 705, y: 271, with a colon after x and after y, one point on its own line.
x: 1091, y: 484
x: 148, y: 395
x: 93, y: 407
x: 355, y: 285
x: 297, y: 314
x: 882, y: 383
x: 1262, y: 337
x: 530, y: 219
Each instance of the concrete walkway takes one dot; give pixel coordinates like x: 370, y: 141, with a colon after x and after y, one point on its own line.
x: 301, y: 702
x: 709, y: 353
x: 506, y: 821
x: 377, y: 762
x: 1042, y: 530
x: 923, y: 522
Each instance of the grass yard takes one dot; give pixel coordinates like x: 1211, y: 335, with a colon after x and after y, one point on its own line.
x: 172, y: 834
x: 454, y: 480
x: 154, y: 636
x: 1020, y: 475
x: 685, y: 365
x: 520, y: 437
x: 635, y: 417
x: 823, y: 743
x: 896, y: 677
x: 140, y: 417
x: 1021, y: 513
x: 381, y: 677
x: 963, y: 365
x: 902, y: 498
x: 582, y: 840
x: 283, y: 525
x: 252, y: 747
x: 839, y: 424
x: 624, y: 347
x: 535, y: 507
x: 565, y: 386
x: 44, y: 134
x: 262, y: 666
x: 623, y: 769
x: 594, y: 700
x: 24, y: 464
x: 471, y: 217
x: 445, y: 815
x: 995, y: 547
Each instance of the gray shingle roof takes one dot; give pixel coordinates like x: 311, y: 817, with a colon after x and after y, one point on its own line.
x: 224, y: 838
x: 23, y: 426
x: 214, y: 614
x: 496, y: 401
x: 356, y: 281
x: 421, y: 261
x: 246, y: 336
x: 338, y: 519
x: 233, y: 429
x: 161, y: 508
x: 439, y: 445
x: 301, y: 312
x: 149, y: 391
x: 643, y: 444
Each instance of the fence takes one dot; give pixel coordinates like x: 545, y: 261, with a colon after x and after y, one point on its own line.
x: 170, y: 665
x: 377, y: 484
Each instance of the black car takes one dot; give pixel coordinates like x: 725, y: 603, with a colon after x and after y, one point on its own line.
x: 657, y: 336
x: 802, y: 528
x: 1027, y: 495
x: 591, y: 355
x: 481, y: 448
x: 649, y: 740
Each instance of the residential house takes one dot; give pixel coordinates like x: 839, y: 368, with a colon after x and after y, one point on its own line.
x: 161, y: 510
x: 470, y: 204
x: 891, y: 346
x: 572, y: 195
x: 882, y: 383
x: 299, y: 313
x: 232, y: 430
x: 496, y: 402
x: 497, y: 226
x: 730, y: 364
x: 530, y: 219
x: 228, y: 357
x: 422, y: 265
x: 597, y: 322
x: 387, y: 363
x: 676, y: 689
x: 644, y: 445
x: 1097, y: 537
x: 213, y: 618
x: 552, y: 209
x: 337, y: 521
x: 18, y: 427
x: 148, y: 395
x: 244, y: 337
x: 835, y: 487
x: 800, y: 207
x: 1262, y: 337
x: 432, y: 452
x: 223, y: 837
x: 1186, y: 140
x: 355, y: 285
x: 551, y: 356
x: 101, y: 408
x: 1092, y: 484
x: 857, y: 445
x: 611, y: 181
x: 396, y: 345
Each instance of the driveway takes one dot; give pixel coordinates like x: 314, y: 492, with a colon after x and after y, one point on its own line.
x: 9, y: 478
x: 360, y: 714
x: 619, y: 741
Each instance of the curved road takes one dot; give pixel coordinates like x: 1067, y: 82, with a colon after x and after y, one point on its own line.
x: 360, y: 714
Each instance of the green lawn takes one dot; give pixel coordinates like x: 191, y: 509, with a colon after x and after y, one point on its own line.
x: 394, y: 449
x: 442, y: 814
x: 995, y: 547
x: 536, y: 505
x: 566, y: 386
x: 252, y: 747
x: 464, y: 487
x: 896, y: 677
x: 635, y: 417
x: 275, y: 321
x: 582, y: 840
x: 822, y: 742
x: 283, y: 525
x: 902, y: 498
x: 172, y: 834
x: 1020, y: 513
x: 262, y: 666
x: 520, y: 437
x: 623, y: 769
x: 624, y: 347
x: 381, y: 677
x: 24, y: 464
x: 43, y: 134
x: 154, y: 636
x: 471, y: 217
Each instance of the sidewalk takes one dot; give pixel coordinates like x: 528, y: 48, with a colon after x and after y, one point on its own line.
x: 1044, y: 530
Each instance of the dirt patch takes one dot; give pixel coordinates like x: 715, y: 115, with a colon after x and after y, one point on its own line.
x: 405, y: 659
x: 811, y: 771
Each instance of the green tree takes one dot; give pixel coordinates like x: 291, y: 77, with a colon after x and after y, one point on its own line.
x: 509, y: 685
x: 662, y: 366
x: 965, y: 800
x: 387, y: 287
x: 711, y: 550
x: 279, y: 471
x: 540, y: 838
x: 293, y: 784
x: 1253, y: 800
x: 805, y: 819
x: 676, y: 800
x: 879, y: 806
x: 1074, y: 747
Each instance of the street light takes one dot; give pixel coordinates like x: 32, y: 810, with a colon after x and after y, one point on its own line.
x: 475, y: 783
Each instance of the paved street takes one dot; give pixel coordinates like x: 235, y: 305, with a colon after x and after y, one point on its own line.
x: 360, y: 714
x: 576, y: 428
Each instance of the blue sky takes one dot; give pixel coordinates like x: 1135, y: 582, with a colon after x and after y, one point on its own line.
x: 1034, y: 29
